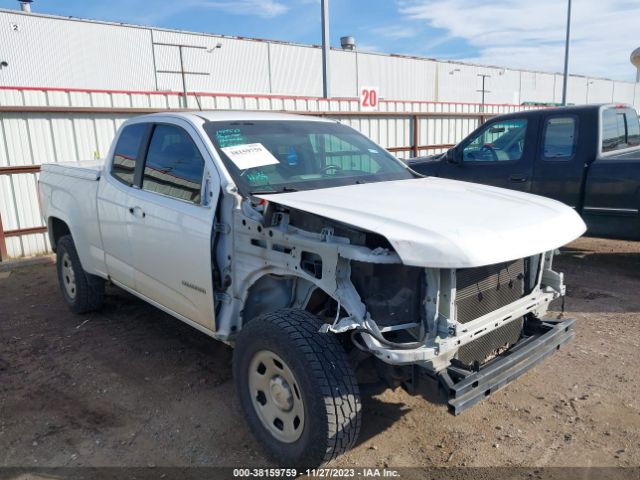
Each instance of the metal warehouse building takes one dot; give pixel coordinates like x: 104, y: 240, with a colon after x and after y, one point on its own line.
x: 66, y: 85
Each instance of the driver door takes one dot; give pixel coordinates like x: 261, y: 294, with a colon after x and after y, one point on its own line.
x: 499, y: 154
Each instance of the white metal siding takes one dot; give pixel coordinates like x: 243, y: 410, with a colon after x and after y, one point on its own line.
x: 70, y: 53
x: 74, y: 54
x: 296, y: 70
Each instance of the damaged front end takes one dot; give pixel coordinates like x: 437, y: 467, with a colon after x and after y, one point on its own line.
x: 455, y: 324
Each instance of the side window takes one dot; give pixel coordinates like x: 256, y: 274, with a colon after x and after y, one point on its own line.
x: 620, y: 129
x: 126, y: 152
x: 613, y: 130
x: 633, y: 128
x: 174, y: 166
x: 498, y: 142
x: 559, y: 141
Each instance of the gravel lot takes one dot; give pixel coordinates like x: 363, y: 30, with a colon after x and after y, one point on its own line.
x: 130, y: 386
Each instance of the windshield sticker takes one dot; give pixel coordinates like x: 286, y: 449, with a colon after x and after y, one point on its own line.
x: 250, y: 155
x: 257, y: 178
x: 229, y: 137
x: 373, y: 150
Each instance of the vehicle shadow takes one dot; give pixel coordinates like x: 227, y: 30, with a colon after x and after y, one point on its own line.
x: 599, y: 281
x: 379, y: 415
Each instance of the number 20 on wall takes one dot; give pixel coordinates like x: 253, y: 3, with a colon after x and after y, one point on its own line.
x: 369, y: 99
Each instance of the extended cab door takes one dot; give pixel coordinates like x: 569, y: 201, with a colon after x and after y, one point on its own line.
x: 498, y: 154
x: 172, y: 222
x: 113, y: 201
x: 561, y: 159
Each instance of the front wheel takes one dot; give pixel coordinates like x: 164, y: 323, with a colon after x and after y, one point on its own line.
x: 296, y: 388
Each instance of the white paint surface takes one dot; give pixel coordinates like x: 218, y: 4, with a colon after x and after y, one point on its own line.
x: 435, y: 222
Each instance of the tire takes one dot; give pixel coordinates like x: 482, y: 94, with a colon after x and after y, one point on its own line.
x: 322, y: 389
x: 82, y: 292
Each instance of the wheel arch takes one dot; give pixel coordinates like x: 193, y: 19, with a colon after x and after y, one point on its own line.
x: 57, y: 228
x: 271, y: 291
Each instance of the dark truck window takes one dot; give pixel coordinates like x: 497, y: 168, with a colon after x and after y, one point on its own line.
x: 174, y: 166
x: 126, y: 152
x: 620, y: 129
x: 499, y: 142
x: 559, y: 138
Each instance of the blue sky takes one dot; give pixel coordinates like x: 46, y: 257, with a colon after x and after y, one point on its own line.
x: 507, y: 33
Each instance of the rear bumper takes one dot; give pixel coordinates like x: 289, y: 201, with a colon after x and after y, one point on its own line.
x: 465, y: 389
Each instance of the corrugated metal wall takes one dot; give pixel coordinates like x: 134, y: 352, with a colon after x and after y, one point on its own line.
x: 96, y: 64
x: 68, y: 53
x: 45, y: 51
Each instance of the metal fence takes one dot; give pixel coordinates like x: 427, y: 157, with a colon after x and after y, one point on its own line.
x: 57, y: 125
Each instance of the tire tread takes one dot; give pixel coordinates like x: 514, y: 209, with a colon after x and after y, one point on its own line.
x: 328, y: 364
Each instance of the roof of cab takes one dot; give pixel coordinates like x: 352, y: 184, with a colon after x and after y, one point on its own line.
x: 571, y: 109
x: 247, y: 115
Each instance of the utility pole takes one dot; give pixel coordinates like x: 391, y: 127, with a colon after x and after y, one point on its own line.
x: 326, y: 47
x: 566, y: 56
x: 484, y: 76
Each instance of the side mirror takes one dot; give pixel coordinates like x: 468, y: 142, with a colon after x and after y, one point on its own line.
x: 453, y: 156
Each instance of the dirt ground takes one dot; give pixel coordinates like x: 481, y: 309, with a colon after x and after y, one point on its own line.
x: 131, y: 386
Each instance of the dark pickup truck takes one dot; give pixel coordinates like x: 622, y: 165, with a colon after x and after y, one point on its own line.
x: 585, y: 156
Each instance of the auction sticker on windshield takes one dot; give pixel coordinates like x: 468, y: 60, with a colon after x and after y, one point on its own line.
x: 250, y: 155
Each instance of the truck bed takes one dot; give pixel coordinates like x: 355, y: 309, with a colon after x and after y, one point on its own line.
x: 88, y: 170
x: 68, y: 193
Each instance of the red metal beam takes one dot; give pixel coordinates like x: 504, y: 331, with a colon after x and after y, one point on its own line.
x: 243, y: 95
x: 24, y: 231
x: 142, y: 111
x: 19, y: 169
x: 416, y: 135
x: 3, y: 243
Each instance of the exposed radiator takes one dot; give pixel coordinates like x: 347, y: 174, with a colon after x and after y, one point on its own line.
x: 486, y: 347
x: 482, y: 290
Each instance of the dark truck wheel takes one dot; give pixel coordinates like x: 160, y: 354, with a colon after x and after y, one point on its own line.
x: 82, y: 292
x: 296, y: 388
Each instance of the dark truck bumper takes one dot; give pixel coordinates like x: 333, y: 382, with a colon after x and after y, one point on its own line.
x: 465, y: 389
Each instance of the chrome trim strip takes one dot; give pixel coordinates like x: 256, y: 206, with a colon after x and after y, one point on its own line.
x: 607, y: 210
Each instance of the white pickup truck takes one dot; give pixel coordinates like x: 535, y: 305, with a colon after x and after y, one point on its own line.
x: 320, y: 257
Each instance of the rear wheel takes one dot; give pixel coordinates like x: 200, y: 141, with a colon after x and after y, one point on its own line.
x: 296, y: 388
x: 82, y: 292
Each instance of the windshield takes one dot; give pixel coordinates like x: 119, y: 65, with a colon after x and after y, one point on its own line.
x: 278, y: 156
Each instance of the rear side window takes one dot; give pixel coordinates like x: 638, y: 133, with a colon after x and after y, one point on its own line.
x: 559, y: 138
x: 174, y: 166
x: 126, y: 153
x: 620, y: 129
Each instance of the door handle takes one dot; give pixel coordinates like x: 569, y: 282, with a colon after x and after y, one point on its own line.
x: 517, y: 178
x: 137, y: 212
